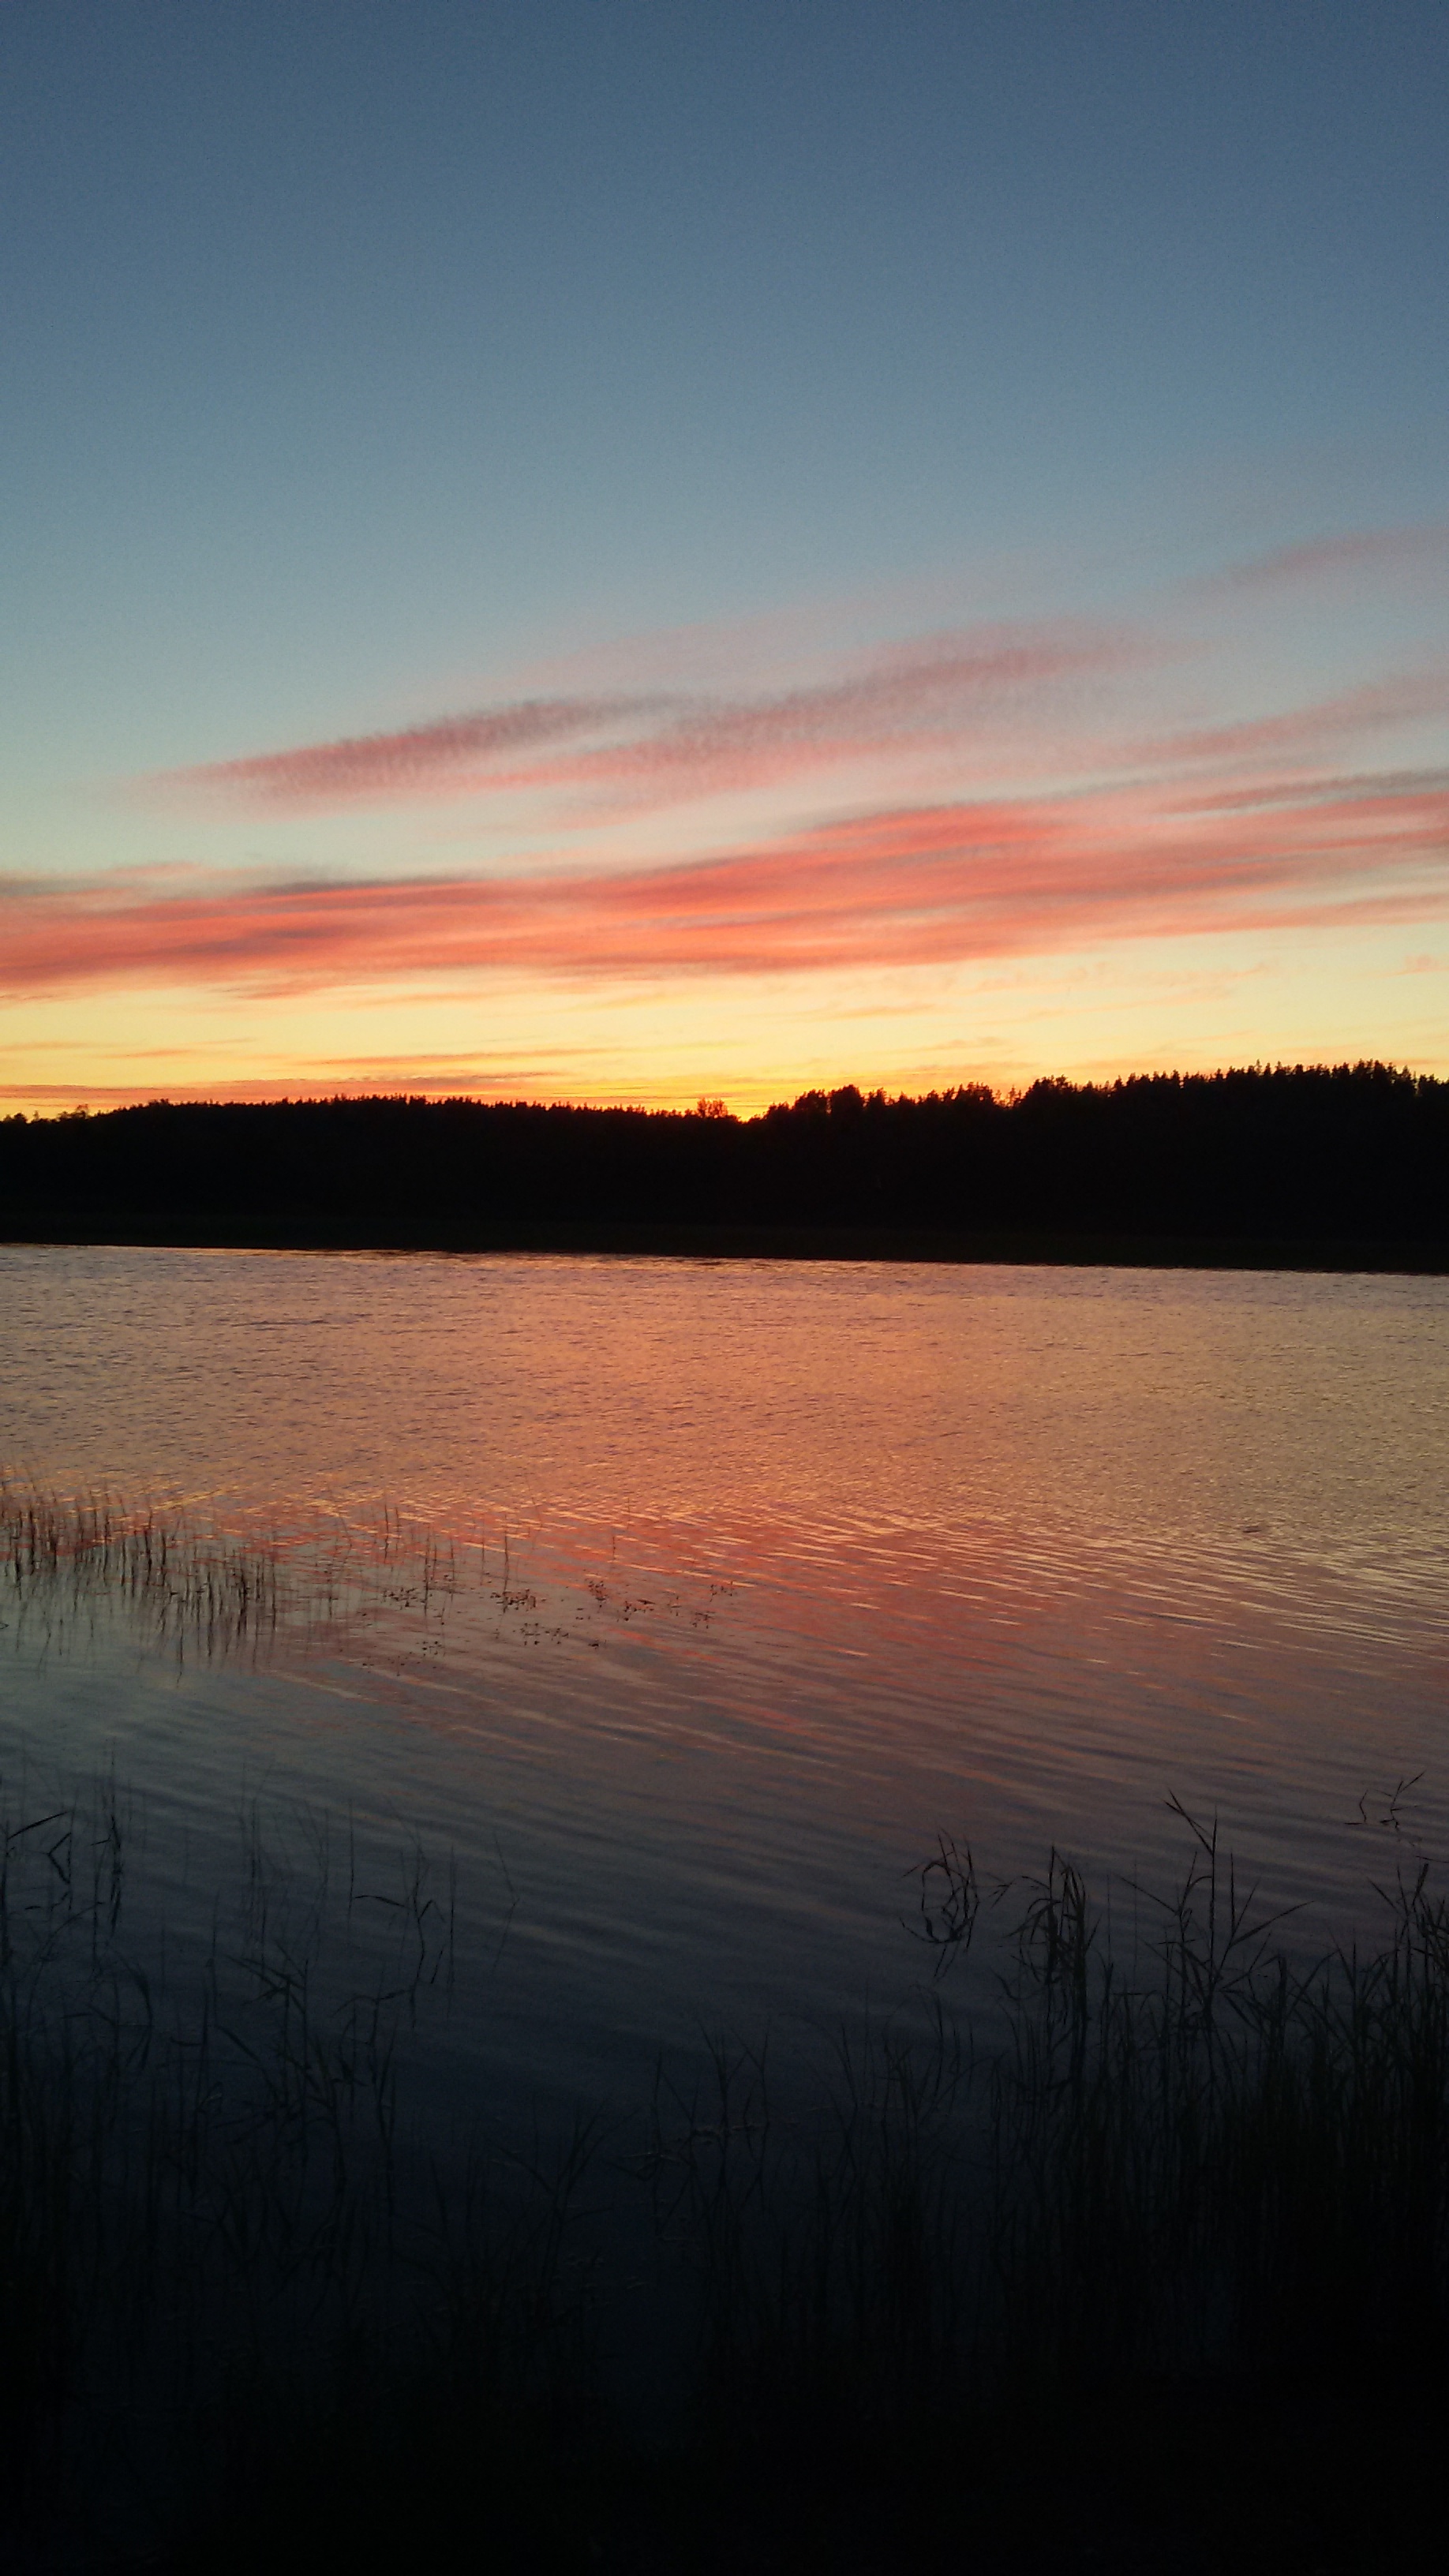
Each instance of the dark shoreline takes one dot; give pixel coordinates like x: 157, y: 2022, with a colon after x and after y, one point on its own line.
x: 1003, y: 1247
x: 1324, y: 1168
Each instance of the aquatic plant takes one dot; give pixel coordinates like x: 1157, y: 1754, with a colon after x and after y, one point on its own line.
x: 1175, y: 2158
x: 69, y: 1560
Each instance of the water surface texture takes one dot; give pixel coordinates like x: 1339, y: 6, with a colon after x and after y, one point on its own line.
x: 686, y: 1603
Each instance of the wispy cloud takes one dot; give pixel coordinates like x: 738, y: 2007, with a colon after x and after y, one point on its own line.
x: 992, y: 791
x: 936, y: 883
x: 663, y: 747
x: 382, y: 768
x: 1065, y: 700
x: 1300, y: 733
x: 1357, y: 552
x: 941, y: 691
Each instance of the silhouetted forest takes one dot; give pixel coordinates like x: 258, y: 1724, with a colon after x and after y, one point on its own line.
x: 1330, y: 1159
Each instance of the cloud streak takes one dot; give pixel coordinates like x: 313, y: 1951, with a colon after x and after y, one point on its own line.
x: 1319, y: 559
x: 667, y: 747
x: 1300, y: 733
x: 962, y: 709
x: 932, y: 884
x: 993, y: 791
x: 382, y: 768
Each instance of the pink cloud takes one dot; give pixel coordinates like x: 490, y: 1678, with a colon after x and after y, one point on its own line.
x: 1323, y: 558
x: 382, y: 767
x: 932, y: 694
x: 1406, y: 698
x: 965, y: 706
x: 670, y: 747
x: 1226, y: 822
x: 927, y: 884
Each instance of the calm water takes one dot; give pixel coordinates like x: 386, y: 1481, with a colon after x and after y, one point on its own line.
x: 686, y: 1603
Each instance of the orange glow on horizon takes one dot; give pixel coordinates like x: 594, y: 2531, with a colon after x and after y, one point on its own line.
x: 979, y: 854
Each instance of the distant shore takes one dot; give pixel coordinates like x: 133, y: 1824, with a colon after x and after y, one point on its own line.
x: 1058, y: 1249
x: 1292, y: 1168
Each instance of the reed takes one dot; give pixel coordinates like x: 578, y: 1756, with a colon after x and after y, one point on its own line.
x: 69, y: 1560
x: 1229, y: 2160
x: 1198, y: 2153
x: 214, y: 2209
x: 1178, y: 2169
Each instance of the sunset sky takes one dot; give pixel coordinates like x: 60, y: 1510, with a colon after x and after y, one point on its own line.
x: 623, y: 549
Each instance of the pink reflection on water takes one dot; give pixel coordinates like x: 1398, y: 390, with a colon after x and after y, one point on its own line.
x: 713, y: 1593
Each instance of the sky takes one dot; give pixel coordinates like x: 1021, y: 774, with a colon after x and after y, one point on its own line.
x: 638, y: 550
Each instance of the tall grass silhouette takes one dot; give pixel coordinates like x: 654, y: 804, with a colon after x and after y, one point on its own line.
x: 1137, y: 2161
x: 1178, y: 2159
x: 195, y: 1589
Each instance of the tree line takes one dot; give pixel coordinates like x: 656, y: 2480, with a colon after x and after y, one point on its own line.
x: 1348, y: 1154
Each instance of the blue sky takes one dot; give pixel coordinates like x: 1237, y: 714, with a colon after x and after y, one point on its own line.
x: 375, y: 365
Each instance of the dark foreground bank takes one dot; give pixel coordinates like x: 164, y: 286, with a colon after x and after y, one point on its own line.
x: 1158, y: 2277
x: 1345, y: 1167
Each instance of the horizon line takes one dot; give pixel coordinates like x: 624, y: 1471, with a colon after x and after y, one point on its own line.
x: 714, y: 1108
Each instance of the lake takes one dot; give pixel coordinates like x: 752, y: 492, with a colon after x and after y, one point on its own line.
x: 671, y: 1610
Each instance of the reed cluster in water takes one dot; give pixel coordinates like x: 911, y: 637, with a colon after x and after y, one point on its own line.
x: 68, y: 1558
x: 246, y: 2284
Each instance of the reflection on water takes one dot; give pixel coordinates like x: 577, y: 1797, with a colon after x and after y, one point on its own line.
x: 688, y: 1604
